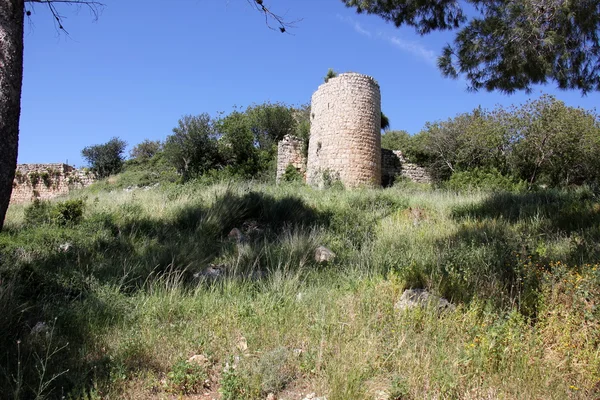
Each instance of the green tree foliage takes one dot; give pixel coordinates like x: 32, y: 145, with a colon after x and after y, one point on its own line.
x: 248, y: 139
x: 507, y: 45
x: 145, y: 150
x: 237, y: 144
x: 554, y: 144
x: 385, y: 122
x: 541, y: 142
x: 192, y: 148
x: 412, y: 146
x: 105, y: 159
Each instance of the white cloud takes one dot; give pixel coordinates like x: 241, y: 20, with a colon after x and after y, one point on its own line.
x: 412, y: 47
x: 357, y: 27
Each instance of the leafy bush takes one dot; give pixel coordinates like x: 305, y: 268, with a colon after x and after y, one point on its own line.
x: 105, y: 159
x: 68, y: 212
x: 292, y: 174
x: 46, y: 178
x: 62, y: 213
x: 487, y: 179
x: 39, y: 212
x: 186, y: 378
x: 34, y: 178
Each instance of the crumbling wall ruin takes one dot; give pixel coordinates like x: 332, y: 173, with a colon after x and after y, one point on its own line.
x: 345, y: 132
x: 290, y: 151
x: 46, y: 181
x: 394, y: 165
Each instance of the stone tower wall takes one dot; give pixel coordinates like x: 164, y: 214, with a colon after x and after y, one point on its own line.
x: 345, y: 132
x: 46, y: 181
x: 289, y: 151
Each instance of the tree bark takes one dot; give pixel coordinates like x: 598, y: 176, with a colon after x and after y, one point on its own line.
x: 11, y: 78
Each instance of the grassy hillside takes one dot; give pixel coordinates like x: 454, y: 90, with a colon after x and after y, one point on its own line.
x: 114, y: 306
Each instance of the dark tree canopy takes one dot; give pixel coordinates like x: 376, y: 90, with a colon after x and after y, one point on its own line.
x: 105, y: 159
x: 507, y: 45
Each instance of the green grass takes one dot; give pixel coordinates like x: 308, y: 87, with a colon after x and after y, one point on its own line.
x: 124, y: 309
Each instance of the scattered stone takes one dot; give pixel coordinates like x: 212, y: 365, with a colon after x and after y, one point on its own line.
x: 235, y: 235
x: 212, y: 272
x: 40, y: 328
x: 242, y: 344
x: 298, y: 352
x: 413, y: 298
x: 271, y: 396
x: 199, y: 359
x: 65, y: 247
x: 313, y: 396
x: 324, y: 255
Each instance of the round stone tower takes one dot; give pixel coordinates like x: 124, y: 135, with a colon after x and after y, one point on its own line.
x: 345, y: 132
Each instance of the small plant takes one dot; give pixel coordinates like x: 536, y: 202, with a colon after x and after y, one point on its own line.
x: 38, y: 213
x: 34, y: 178
x: 292, y: 174
x: 46, y: 179
x: 330, y: 74
x: 399, y: 389
x: 276, y: 370
x: 186, y: 378
x: 232, y: 384
x: 331, y: 180
x: 19, y: 177
x: 68, y: 212
x: 62, y: 213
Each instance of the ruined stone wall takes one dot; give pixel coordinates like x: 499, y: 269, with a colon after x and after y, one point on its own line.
x: 394, y: 164
x: 290, y: 151
x: 345, y: 131
x: 46, y: 181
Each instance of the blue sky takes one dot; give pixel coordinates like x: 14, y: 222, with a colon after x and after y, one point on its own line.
x: 144, y: 63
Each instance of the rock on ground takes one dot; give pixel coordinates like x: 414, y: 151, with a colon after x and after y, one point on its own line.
x: 413, y: 298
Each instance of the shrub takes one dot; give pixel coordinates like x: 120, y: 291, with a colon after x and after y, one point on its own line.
x: 276, y: 369
x: 105, y: 159
x: 62, y: 213
x: 38, y: 212
x: 330, y: 74
x: 488, y: 179
x: 46, y: 179
x: 68, y: 212
x: 186, y: 378
x: 34, y: 178
x: 292, y: 174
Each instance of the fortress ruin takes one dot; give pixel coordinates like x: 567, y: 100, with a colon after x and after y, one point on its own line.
x: 46, y: 181
x: 345, y: 138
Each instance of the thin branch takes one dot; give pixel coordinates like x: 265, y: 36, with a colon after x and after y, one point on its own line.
x: 93, y: 6
x: 284, y: 25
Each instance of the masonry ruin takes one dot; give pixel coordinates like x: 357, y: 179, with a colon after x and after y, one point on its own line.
x: 46, y: 181
x: 345, y: 139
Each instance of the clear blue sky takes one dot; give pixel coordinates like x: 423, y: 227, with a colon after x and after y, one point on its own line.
x: 145, y: 63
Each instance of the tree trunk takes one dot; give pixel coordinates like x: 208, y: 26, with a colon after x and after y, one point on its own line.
x: 11, y: 78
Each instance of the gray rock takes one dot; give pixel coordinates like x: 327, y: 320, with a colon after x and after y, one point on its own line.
x: 65, y: 247
x: 212, y: 272
x: 413, y: 298
x: 235, y: 235
x: 324, y: 255
x: 40, y: 328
